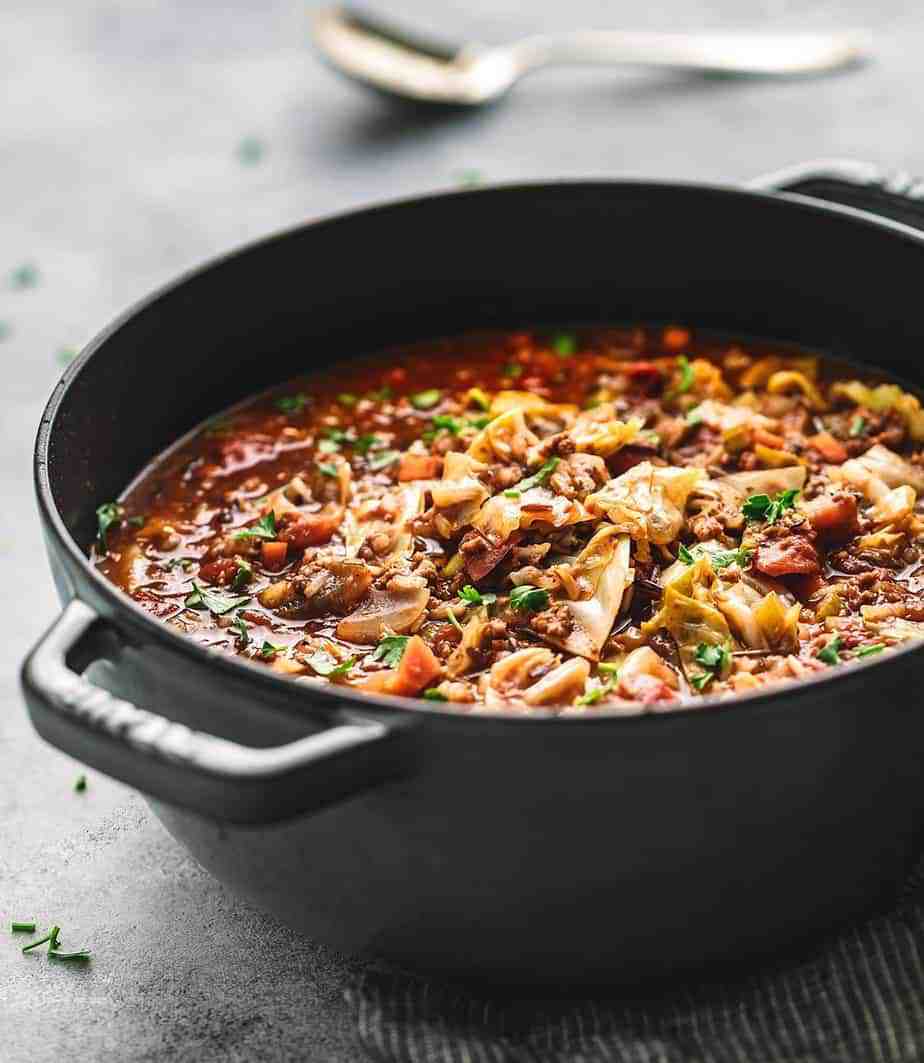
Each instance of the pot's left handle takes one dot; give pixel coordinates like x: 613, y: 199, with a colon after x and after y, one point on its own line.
x: 201, y: 772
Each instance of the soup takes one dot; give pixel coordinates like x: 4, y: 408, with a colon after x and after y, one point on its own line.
x: 575, y: 521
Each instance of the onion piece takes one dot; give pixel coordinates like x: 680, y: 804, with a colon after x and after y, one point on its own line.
x: 385, y: 611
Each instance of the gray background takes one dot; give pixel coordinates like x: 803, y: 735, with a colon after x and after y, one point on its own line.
x: 119, y: 130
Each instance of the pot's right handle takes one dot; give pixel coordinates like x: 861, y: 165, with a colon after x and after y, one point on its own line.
x: 896, y: 195
x: 201, y: 772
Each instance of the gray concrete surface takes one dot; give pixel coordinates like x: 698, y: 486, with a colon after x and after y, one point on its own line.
x: 119, y: 130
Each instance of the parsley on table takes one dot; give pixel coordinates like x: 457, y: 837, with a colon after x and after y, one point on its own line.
x: 425, y: 400
x: 564, y: 344
x: 868, y: 651
x: 203, y: 598
x: 473, y: 596
x: 265, y: 528
x: 292, y: 403
x: 528, y: 599
x: 536, y: 480
x: 765, y: 508
x: 830, y: 654
x: 250, y: 151
x: 24, y: 276
x: 391, y: 649
x: 383, y: 459
x: 80, y: 784
x: 107, y: 514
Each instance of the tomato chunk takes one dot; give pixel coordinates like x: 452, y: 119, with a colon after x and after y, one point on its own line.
x: 831, y: 449
x: 418, y: 668
x: 794, y: 555
x: 273, y: 555
x: 647, y: 689
x: 311, y: 529
x: 834, y: 516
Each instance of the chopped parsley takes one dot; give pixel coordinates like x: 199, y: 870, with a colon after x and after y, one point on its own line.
x: 292, y: 403
x: 591, y: 697
x: 434, y: 695
x: 80, y: 954
x: 830, y: 654
x: 719, y: 558
x: 269, y: 650
x: 347, y: 398
x: 473, y: 596
x: 51, y: 936
x: 381, y: 395
x: 383, y: 459
x: 687, y: 375
x: 564, y: 344
x: 714, y: 659
x: 107, y: 514
x: 528, y: 599
x: 701, y: 681
x: 243, y: 635
x: 24, y: 276
x: 337, y: 435
x: 328, y: 446
x: 80, y: 784
x: 391, y: 649
x: 22, y: 928
x: 366, y: 442
x: 265, y: 528
x: 327, y: 468
x: 857, y: 427
x: 425, y: 400
x: 536, y: 480
x: 762, y: 507
x: 454, y: 425
x: 250, y: 151
x: 219, y: 604
x: 480, y: 422
x: 685, y: 556
x: 325, y: 664
x: 243, y: 575
x: 868, y: 651
x: 608, y: 668
x: 512, y: 370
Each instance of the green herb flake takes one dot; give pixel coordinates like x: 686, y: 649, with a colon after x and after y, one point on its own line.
x: 22, y: 928
x: 857, y: 427
x: 292, y: 403
x: 468, y: 178
x: 383, y: 459
x: 715, y: 658
x: 473, y: 596
x: 265, y: 528
x: 511, y: 492
x: 480, y: 399
x: 687, y: 375
x: 6, y: 330
x: 434, y: 695
x: 347, y: 398
x: 595, y: 694
x: 81, y: 954
x: 512, y: 371
x: 382, y: 394
x: 243, y: 632
x: 869, y: 651
x: 327, y: 468
x: 539, y: 477
x: 327, y: 665
x: 608, y: 668
x: 564, y: 344
x: 391, y: 649
x: 219, y: 604
x: 701, y: 681
x: 724, y: 558
x: 368, y: 441
x: 41, y: 941
x: 242, y: 575
x: 684, y: 555
x: 250, y: 151
x: 830, y: 654
x: 24, y: 276
x: 269, y: 650
x: 80, y: 784
x: 337, y: 435
x: 426, y: 400
x: 528, y: 599
x: 452, y: 425
x: 107, y: 514
x: 480, y: 422
x: 328, y: 446
x: 762, y: 507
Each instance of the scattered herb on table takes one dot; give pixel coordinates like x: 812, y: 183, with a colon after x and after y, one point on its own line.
x: 22, y: 928
x: 831, y: 653
x: 269, y: 650
x: 243, y: 632
x: 80, y: 784
x: 24, y: 276
x: 250, y: 151
x: 243, y: 574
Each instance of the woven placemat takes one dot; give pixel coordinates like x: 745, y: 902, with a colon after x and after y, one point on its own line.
x: 856, y: 997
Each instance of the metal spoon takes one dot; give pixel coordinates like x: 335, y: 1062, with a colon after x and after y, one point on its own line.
x: 401, y: 64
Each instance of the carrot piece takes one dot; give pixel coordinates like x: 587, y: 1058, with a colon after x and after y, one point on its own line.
x: 418, y: 467
x: 418, y: 667
x: 675, y: 339
x: 769, y: 439
x: 273, y: 555
x: 831, y: 449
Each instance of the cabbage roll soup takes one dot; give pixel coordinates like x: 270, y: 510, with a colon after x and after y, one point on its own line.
x: 582, y: 521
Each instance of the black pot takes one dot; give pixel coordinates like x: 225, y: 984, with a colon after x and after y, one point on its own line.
x: 523, y: 850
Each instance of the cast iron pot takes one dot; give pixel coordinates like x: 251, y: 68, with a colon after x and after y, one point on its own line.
x: 515, y: 850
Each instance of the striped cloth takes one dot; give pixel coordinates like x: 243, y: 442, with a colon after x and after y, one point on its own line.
x: 856, y: 998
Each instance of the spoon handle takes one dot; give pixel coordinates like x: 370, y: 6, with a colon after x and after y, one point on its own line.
x: 760, y: 54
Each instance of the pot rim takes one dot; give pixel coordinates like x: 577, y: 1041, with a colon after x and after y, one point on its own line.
x: 281, y: 687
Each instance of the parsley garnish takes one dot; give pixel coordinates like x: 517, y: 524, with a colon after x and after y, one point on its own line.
x: 265, y: 528
x: 219, y: 604
x: 762, y: 507
x: 328, y: 446
x: 699, y: 682
x: 22, y: 928
x: 382, y: 395
x: 240, y: 626
x: 81, y: 954
x: 425, y: 400
x: 451, y: 424
x: 269, y: 650
x: 608, y: 668
x: 868, y: 651
x: 327, y: 468
x: 715, y: 659
x: 51, y: 937
x: 292, y: 403
x: 528, y: 599
x: 338, y: 435
x: 719, y: 559
x: 473, y: 596
x: 512, y: 370
x: 365, y: 443
x: 391, y: 649
x: 325, y: 664
x: 434, y: 695
x: 383, y: 459
x: 80, y: 784
x: 480, y: 422
x: 687, y: 375
x: 347, y: 398
x: 830, y: 653
x: 684, y: 555
x: 107, y: 514
x: 536, y: 480
x: 564, y: 344
x: 243, y: 575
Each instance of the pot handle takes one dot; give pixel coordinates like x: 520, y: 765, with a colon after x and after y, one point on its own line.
x: 896, y: 195
x: 213, y: 776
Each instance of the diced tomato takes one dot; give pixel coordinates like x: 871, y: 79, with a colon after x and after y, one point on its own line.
x: 219, y: 572
x: 831, y: 449
x: 273, y: 555
x: 625, y: 458
x: 803, y: 587
x: 419, y: 467
x: 787, y: 557
x: 675, y: 339
x: 769, y: 439
x: 310, y: 529
x: 834, y: 516
x: 647, y: 689
x: 418, y: 668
